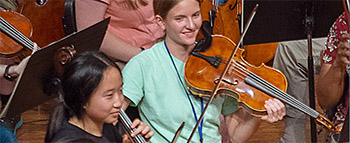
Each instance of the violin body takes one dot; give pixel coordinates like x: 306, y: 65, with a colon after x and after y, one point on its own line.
x: 9, y: 48
x: 201, y: 78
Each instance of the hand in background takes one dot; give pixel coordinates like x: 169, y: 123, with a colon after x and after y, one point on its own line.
x: 16, y: 70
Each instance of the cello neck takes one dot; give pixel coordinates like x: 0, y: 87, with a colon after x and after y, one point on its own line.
x: 126, y: 122
x: 16, y: 35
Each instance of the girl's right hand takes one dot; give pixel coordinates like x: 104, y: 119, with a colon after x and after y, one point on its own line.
x: 141, y: 128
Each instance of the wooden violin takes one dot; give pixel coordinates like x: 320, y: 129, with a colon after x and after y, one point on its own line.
x: 250, y: 85
x: 222, y: 70
x: 17, y: 29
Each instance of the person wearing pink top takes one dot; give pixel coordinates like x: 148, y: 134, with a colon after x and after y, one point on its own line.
x: 131, y: 29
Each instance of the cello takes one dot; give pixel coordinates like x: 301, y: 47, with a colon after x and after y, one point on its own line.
x: 222, y: 70
x: 46, y: 18
x: 228, y: 22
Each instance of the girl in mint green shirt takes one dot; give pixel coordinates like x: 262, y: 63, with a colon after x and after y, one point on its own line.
x: 154, y: 80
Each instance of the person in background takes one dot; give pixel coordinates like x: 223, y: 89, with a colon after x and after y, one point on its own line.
x: 333, y: 85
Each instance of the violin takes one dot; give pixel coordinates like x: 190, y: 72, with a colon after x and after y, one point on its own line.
x: 126, y: 122
x: 222, y: 70
x: 15, y: 32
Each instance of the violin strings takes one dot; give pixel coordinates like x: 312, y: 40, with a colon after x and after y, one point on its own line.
x: 287, y: 98
x: 291, y: 99
x: 273, y: 89
x: 12, y: 33
x: 8, y: 28
x: 21, y: 36
x: 24, y: 39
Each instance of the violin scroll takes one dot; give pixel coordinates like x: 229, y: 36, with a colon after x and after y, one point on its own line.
x: 62, y: 57
x: 328, y: 124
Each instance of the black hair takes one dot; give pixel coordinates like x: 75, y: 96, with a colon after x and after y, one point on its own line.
x: 80, y: 78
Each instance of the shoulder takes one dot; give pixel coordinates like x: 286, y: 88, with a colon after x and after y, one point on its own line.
x: 70, y: 133
x: 111, y: 132
x: 147, y: 57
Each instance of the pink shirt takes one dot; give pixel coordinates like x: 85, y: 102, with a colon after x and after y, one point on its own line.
x: 136, y: 27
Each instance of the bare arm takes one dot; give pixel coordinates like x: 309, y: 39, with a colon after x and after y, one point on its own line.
x: 330, y: 85
x: 89, y: 12
x: 241, y: 126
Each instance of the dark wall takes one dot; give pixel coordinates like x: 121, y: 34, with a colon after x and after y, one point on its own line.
x: 281, y: 20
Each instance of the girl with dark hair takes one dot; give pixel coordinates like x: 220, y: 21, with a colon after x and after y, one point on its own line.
x: 154, y: 81
x: 90, y: 100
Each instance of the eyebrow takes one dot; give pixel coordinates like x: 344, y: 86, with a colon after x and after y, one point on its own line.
x: 109, y: 90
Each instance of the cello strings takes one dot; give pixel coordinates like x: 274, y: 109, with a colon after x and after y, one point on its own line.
x: 8, y: 28
x: 128, y: 123
x: 127, y: 126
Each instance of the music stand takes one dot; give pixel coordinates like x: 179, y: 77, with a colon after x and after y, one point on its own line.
x: 28, y: 91
x: 282, y: 20
x: 293, y: 20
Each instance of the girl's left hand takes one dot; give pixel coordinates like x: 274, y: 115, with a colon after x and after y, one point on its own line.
x: 275, y: 110
x: 141, y: 128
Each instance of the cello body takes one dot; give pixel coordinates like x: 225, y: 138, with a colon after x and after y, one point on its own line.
x: 227, y: 23
x: 227, y: 18
x: 46, y: 18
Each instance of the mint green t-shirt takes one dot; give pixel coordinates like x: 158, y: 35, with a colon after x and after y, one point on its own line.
x: 151, y: 82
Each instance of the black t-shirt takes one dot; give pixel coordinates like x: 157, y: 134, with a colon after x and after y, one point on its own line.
x: 71, y: 133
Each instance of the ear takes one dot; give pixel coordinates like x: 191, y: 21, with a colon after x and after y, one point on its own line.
x: 160, y: 21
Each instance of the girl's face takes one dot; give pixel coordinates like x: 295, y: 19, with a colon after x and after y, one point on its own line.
x: 106, y: 101
x: 183, y: 22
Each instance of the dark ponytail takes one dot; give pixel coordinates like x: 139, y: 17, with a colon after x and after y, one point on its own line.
x: 80, y: 78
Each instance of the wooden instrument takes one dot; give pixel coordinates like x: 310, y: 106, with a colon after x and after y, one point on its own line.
x: 46, y: 18
x: 222, y: 70
x: 11, y: 43
x: 126, y: 122
x: 228, y: 22
x: 235, y: 77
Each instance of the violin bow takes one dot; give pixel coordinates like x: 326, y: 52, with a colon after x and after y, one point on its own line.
x: 226, y: 68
